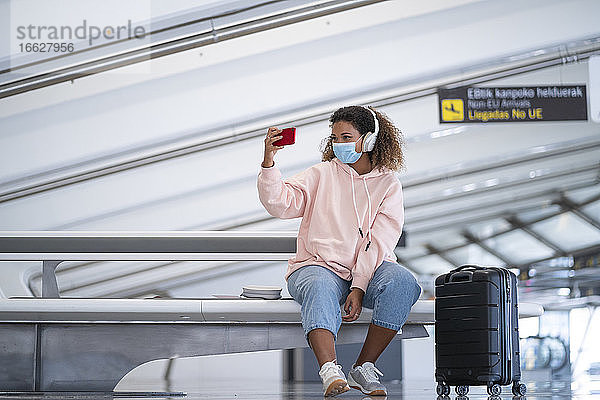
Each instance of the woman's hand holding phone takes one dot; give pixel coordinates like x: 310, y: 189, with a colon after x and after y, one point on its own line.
x: 273, y: 134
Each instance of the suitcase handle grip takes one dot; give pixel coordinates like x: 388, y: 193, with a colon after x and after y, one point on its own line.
x: 464, y: 276
x: 466, y: 266
x: 457, y: 276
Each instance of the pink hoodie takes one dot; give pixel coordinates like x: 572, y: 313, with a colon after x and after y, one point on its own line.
x: 350, y: 224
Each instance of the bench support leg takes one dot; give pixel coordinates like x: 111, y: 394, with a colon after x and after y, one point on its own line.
x: 72, y: 357
x: 49, y: 283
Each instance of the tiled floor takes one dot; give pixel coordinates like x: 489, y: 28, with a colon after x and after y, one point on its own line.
x: 232, y: 389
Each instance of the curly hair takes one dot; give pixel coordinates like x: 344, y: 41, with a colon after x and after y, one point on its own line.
x: 388, y: 151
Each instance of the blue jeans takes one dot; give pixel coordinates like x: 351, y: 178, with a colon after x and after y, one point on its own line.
x: 390, y: 294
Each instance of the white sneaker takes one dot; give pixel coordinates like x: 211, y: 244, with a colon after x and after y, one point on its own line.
x: 334, y: 380
x: 364, y: 378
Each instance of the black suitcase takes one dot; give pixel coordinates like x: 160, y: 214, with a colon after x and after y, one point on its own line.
x: 476, y: 330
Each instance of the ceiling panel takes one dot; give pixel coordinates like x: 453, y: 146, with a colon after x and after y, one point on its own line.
x: 431, y: 264
x: 584, y: 194
x: 474, y: 254
x: 412, y: 250
x: 518, y: 247
x: 488, y: 228
x: 593, y: 210
x: 568, y: 231
x: 538, y: 213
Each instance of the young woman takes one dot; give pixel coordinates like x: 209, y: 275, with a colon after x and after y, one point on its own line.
x: 352, y: 213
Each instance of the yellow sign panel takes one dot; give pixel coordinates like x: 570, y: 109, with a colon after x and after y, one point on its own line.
x: 453, y: 110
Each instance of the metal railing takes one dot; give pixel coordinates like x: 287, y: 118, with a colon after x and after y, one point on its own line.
x: 215, y: 29
x: 54, y: 247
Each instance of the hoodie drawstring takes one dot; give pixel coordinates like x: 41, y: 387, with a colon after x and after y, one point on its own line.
x: 356, y: 210
x: 369, y: 220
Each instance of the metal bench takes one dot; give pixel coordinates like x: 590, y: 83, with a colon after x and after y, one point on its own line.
x: 73, y: 344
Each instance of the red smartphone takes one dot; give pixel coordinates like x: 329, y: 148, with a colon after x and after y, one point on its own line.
x: 289, y: 137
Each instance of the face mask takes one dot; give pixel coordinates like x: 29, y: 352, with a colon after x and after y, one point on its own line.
x: 346, y: 153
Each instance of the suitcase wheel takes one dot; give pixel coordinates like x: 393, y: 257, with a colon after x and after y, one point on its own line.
x: 462, y: 390
x: 493, y: 389
x: 519, y: 389
x: 442, y: 389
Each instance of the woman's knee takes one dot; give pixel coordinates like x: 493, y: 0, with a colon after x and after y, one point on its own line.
x: 316, y: 290
x: 316, y: 280
x: 399, y: 279
x: 320, y: 293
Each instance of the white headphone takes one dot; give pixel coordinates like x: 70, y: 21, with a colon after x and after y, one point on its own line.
x: 371, y: 137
